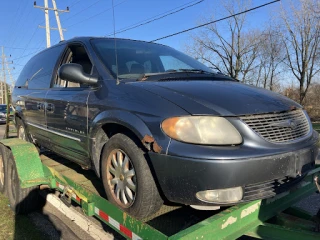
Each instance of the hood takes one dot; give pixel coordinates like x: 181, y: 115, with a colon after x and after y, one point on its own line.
x: 220, y: 98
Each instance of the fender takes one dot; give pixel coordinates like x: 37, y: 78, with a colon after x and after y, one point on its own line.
x: 28, y: 163
x: 124, y: 118
x: 127, y: 119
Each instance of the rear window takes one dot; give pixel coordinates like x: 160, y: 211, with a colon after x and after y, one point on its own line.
x: 38, y: 71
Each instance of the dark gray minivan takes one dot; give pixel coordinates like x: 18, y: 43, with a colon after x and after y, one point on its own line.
x: 156, y: 125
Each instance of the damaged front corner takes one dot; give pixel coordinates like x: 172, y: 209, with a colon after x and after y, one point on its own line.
x: 149, y: 142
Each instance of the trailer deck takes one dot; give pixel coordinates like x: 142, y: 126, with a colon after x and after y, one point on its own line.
x: 273, y: 218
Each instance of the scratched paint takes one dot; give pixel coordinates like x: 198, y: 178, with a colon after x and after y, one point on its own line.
x: 229, y: 221
x: 246, y: 212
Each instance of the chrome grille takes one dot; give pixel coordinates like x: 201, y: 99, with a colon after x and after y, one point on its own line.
x: 279, y: 127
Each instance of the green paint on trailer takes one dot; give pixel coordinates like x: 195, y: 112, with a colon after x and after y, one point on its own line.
x: 298, y: 212
x: 287, y: 220
x: 229, y: 224
x: 91, y: 200
x: 236, y: 221
x: 29, y: 166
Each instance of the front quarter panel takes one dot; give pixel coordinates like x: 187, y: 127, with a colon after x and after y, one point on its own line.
x: 132, y: 107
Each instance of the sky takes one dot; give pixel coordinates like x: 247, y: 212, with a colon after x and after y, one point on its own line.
x: 22, y: 38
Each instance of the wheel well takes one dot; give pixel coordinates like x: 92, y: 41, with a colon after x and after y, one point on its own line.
x: 110, y: 129
x: 103, y: 135
x: 113, y: 128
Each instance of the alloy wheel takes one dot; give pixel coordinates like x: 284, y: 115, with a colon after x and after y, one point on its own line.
x: 121, y: 178
x: 22, y: 133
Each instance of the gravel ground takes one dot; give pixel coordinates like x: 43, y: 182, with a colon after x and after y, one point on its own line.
x: 56, y: 226
x: 311, y: 204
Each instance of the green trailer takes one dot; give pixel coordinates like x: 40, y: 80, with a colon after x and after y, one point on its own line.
x: 23, y: 170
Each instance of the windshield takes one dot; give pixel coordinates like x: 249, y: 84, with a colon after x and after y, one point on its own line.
x: 136, y: 58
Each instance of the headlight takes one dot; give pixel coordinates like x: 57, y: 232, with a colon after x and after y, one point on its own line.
x: 202, y: 130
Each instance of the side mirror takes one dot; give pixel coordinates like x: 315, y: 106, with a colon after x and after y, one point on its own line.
x: 74, y: 73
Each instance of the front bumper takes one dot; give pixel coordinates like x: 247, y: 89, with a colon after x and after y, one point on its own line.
x: 180, y: 178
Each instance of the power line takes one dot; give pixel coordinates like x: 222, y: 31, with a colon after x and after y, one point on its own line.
x: 205, y: 24
x: 26, y: 55
x: 17, y: 22
x: 155, y: 19
x: 29, y: 41
x: 74, y: 3
x: 94, y: 15
x: 17, y: 47
x: 82, y: 10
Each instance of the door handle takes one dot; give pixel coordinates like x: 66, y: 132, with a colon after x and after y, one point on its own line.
x: 50, y: 107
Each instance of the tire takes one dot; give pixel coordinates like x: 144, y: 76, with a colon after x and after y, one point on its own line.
x: 3, y: 169
x: 22, y: 134
x: 22, y: 200
x: 21, y: 130
x: 131, y: 186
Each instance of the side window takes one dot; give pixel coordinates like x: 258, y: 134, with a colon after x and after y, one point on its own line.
x: 75, y: 53
x: 42, y: 69
x: 170, y: 62
x: 25, y: 74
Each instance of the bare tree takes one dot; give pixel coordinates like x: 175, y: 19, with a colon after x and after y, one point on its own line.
x: 301, y: 39
x: 271, y: 56
x: 228, y: 47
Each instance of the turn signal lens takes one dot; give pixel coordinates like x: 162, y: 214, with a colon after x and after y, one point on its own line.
x: 228, y: 195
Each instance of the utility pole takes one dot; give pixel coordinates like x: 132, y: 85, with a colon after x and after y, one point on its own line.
x: 3, y: 82
x: 46, y: 13
x: 10, y: 75
x: 56, y: 12
x: 4, y: 89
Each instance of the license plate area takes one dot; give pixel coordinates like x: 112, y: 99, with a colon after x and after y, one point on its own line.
x: 304, y: 161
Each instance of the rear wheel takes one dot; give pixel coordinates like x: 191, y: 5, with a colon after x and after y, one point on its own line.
x: 22, y: 200
x: 3, y: 170
x: 127, y: 179
x: 21, y: 130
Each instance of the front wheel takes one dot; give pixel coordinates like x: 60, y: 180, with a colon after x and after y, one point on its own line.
x: 127, y: 179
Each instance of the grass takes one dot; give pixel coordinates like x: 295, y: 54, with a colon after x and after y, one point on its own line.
x: 15, y: 227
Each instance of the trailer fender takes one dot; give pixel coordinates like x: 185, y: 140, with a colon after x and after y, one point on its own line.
x: 27, y: 160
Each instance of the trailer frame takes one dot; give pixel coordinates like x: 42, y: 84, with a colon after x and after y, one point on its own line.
x: 273, y: 218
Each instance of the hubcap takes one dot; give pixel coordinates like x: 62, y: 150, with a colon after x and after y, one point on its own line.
x: 1, y: 171
x: 22, y: 134
x: 121, y: 178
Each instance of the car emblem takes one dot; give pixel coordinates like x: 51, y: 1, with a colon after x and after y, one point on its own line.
x: 293, y: 124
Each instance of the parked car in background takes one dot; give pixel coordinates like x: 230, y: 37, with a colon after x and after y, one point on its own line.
x: 156, y: 125
x: 3, y: 113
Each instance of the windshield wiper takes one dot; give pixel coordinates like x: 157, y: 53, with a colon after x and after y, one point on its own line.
x: 172, y: 72
x: 193, y: 70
